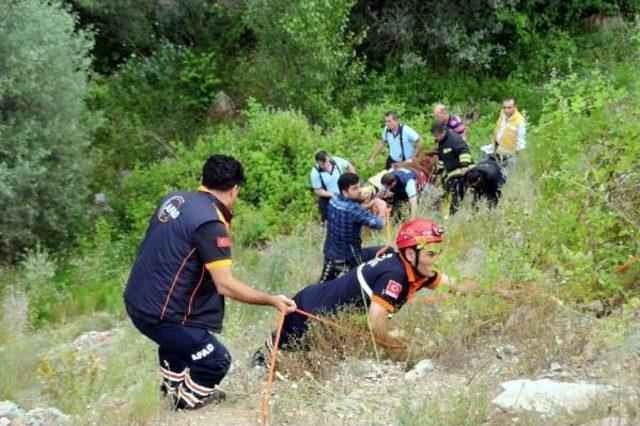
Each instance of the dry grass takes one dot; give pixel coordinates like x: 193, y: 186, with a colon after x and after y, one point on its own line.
x: 335, y: 377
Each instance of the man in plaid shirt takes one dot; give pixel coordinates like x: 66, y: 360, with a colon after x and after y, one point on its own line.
x: 345, y: 218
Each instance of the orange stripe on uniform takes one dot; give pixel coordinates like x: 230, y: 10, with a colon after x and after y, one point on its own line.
x: 175, y: 280
x: 218, y: 264
x: 192, y: 296
x: 380, y: 301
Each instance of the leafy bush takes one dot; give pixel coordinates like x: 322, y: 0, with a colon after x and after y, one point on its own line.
x: 586, y: 153
x: 305, y: 55
x: 150, y: 102
x: 277, y: 149
x: 45, y: 126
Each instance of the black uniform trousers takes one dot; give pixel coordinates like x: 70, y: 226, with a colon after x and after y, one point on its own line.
x: 456, y: 187
x: 332, y: 269
x: 192, y: 361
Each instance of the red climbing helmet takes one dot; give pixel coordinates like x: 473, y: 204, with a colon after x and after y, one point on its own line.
x: 418, y: 231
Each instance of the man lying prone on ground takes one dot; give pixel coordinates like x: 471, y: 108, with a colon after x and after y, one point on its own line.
x: 383, y: 284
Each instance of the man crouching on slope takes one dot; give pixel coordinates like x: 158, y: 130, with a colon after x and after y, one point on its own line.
x: 175, y: 293
x: 384, y: 284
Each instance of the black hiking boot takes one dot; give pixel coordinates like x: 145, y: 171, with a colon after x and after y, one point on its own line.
x: 260, y: 359
x: 216, y: 397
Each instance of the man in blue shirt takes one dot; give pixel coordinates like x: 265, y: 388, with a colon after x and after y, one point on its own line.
x: 324, y: 178
x: 402, y: 183
x: 345, y: 218
x: 403, y: 141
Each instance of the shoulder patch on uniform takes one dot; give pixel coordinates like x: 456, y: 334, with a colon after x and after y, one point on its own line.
x: 170, y: 209
x: 223, y: 242
x: 393, y: 289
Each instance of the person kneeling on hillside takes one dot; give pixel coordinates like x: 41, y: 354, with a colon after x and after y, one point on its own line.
x: 403, y: 186
x: 345, y: 218
x: 383, y: 285
x: 485, y: 179
x: 454, y: 160
x: 175, y: 292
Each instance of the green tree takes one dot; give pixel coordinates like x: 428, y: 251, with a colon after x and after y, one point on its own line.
x: 150, y: 102
x: 125, y: 28
x: 45, y: 126
x: 305, y: 54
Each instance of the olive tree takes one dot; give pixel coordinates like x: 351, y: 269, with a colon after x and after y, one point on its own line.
x: 45, y: 125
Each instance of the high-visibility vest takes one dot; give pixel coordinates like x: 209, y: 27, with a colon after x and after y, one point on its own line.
x: 509, y: 139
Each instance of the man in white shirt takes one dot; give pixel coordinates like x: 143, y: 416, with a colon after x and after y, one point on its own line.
x: 508, y: 134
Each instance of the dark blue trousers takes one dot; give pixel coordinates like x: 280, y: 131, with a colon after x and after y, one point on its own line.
x: 192, y: 361
x: 332, y: 269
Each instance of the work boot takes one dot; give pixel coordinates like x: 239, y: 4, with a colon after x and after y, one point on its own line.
x: 260, y: 359
x: 216, y: 397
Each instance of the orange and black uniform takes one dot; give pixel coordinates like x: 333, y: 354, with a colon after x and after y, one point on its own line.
x: 453, y: 155
x: 170, y: 295
x: 388, y: 280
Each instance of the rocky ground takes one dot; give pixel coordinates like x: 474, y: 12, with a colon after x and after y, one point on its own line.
x: 496, y: 383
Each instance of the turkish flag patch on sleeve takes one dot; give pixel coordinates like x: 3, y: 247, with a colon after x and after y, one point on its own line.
x: 223, y: 242
x: 393, y: 289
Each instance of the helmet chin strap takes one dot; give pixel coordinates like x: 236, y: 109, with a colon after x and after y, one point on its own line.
x: 413, y: 263
x: 417, y: 258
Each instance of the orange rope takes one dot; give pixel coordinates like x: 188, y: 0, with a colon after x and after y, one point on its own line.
x: 274, y: 352
x: 272, y: 367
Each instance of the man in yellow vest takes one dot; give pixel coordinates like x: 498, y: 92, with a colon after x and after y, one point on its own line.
x: 508, y: 134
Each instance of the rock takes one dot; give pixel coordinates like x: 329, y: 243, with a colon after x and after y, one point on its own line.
x: 223, y: 106
x: 99, y: 199
x: 4, y: 421
x: 548, y: 397
x: 555, y: 367
x: 506, y: 352
x: 92, y: 340
x: 10, y: 410
x: 611, y: 421
x: 49, y: 416
x: 420, y: 369
x: 596, y: 307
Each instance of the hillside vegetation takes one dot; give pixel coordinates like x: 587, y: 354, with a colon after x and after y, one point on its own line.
x: 119, y: 101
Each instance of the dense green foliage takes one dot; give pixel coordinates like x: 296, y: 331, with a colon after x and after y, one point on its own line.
x: 310, y: 75
x: 590, y: 192
x: 126, y: 29
x: 150, y: 102
x: 277, y: 148
x: 304, y: 56
x: 307, y: 75
x: 45, y: 125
